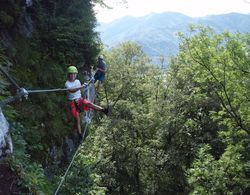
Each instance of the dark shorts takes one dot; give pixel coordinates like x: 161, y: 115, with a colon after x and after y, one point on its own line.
x: 80, y: 104
x: 100, y: 76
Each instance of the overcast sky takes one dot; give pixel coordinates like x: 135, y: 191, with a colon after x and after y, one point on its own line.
x: 191, y: 8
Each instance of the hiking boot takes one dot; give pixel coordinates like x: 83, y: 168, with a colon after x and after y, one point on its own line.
x: 80, y: 137
x: 105, y: 110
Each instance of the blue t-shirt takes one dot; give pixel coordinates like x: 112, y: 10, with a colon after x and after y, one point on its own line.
x: 102, y: 65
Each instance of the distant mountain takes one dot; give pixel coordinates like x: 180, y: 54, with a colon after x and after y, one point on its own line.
x: 156, y: 32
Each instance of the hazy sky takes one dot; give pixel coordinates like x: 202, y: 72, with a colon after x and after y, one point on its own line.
x: 191, y: 8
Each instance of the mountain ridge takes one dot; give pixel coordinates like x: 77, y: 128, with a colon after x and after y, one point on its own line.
x: 156, y: 32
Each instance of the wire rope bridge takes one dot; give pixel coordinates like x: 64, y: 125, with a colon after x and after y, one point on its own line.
x: 89, y: 93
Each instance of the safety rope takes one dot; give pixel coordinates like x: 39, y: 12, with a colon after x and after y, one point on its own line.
x: 55, y: 90
x: 10, y: 78
x: 21, y: 92
x: 46, y: 90
x: 72, y: 160
x: 106, y: 94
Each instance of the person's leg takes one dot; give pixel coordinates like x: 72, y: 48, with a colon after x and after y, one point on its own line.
x: 101, y: 82
x: 96, y: 76
x: 98, y: 87
x: 76, y: 116
x: 95, y: 79
x: 78, y: 123
x: 94, y: 106
x: 88, y: 105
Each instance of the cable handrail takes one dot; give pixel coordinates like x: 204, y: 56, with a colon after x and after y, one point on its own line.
x: 10, y: 78
x: 22, y: 92
x: 71, y: 162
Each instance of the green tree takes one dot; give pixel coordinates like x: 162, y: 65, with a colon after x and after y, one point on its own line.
x: 220, y: 65
x: 162, y: 119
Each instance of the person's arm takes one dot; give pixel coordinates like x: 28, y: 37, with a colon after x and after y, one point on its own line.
x: 73, y: 90
x: 104, y: 69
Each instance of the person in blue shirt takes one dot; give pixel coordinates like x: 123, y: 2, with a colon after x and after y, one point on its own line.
x: 101, y: 69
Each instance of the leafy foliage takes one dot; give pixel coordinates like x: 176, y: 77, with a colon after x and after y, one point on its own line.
x: 31, y: 173
x: 180, y: 131
x: 221, y: 62
x: 154, y: 141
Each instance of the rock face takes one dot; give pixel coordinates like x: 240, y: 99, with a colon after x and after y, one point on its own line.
x: 29, y: 3
x: 15, y: 21
x: 6, y: 146
x: 25, y: 25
